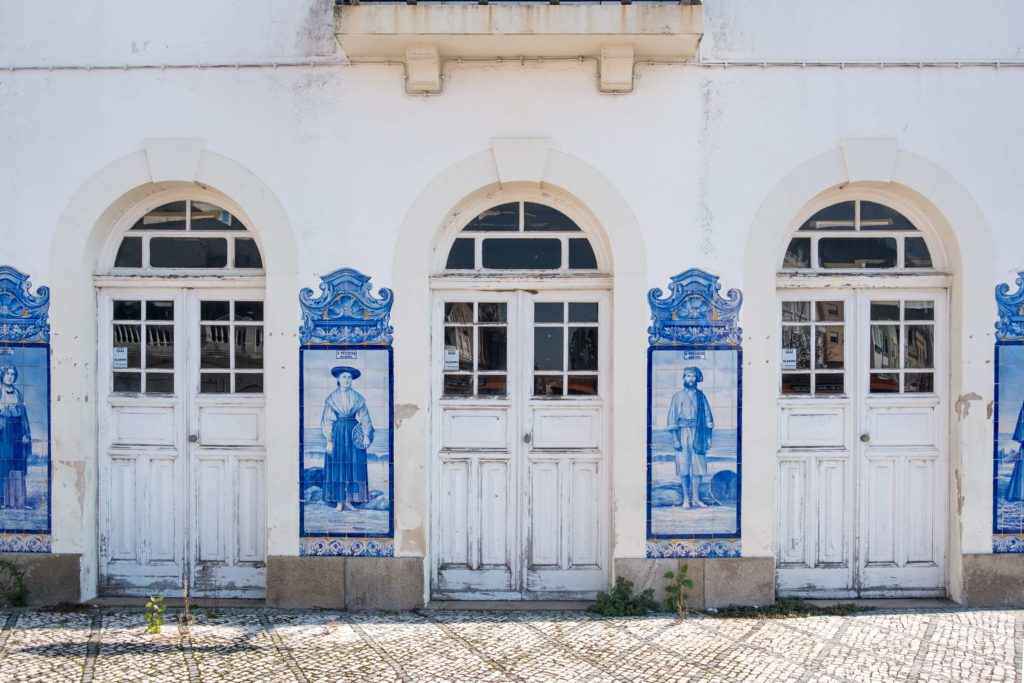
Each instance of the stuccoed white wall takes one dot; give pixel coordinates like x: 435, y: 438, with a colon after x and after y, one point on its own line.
x: 694, y: 152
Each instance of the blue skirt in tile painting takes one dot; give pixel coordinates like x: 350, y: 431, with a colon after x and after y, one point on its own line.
x: 15, y: 446
x: 345, y: 478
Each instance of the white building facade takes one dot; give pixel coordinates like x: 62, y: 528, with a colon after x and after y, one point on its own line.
x: 519, y: 177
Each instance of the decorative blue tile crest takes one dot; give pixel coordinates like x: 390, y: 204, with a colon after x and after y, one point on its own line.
x: 23, y: 315
x: 694, y: 420
x: 347, y: 547
x: 346, y: 311
x: 1011, y: 310
x: 693, y: 312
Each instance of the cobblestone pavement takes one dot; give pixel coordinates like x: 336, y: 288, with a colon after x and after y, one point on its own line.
x: 283, y: 645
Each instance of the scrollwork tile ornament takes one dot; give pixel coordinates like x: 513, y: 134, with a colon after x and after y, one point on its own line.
x: 346, y: 311
x: 1011, y: 310
x: 23, y: 315
x: 693, y: 312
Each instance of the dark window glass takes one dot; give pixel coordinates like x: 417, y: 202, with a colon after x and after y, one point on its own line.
x: 916, y: 254
x: 549, y: 313
x: 829, y: 311
x: 458, y: 312
x: 828, y: 383
x: 248, y: 310
x: 796, y: 384
x: 796, y: 311
x: 885, y: 383
x: 248, y: 347
x: 492, y: 385
x: 918, y: 310
x: 503, y: 218
x: 492, y: 312
x: 547, y: 348
x: 460, y: 338
x: 127, y: 310
x: 159, y: 310
x: 581, y: 255
x: 885, y: 310
x: 877, y: 217
x: 215, y: 349
x: 836, y: 217
x: 538, y: 217
x: 214, y: 310
x: 215, y: 383
x: 209, y: 217
x: 798, y: 253
x: 159, y: 347
x: 856, y: 253
x: 491, y: 352
x: 461, y: 256
x: 918, y: 382
x: 130, y: 338
x: 582, y: 385
x: 458, y: 385
x: 547, y: 385
x: 159, y: 383
x: 920, y: 347
x: 128, y: 381
x: 532, y: 254
x: 129, y: 254
x: 188, y: 252
x: 167, y: 217
x: 249, y: 383
x: 582, y: 313
x: 583, y: 348
x: 247, y: 254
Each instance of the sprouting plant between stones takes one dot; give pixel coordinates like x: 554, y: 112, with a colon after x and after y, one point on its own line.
x: 13, y: 589
x: 154, y: 614
x: 676, y: 597
x: 621, y: 602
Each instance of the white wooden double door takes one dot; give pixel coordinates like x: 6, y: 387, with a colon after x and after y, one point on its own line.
x: 182, y: 442
x: 519, y: 476
x: 862, y: 454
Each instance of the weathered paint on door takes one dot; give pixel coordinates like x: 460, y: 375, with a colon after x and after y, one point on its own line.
x: 520, y: 482
x: 862, y: 465
x: 182, y: 442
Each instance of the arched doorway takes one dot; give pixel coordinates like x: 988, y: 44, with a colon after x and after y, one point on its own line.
x: 863, y: 392
x: 521, y: 394
x: 180, y: 301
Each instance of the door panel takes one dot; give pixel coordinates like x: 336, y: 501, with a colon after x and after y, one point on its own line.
x: 181, y: 474
x: 519, y: 487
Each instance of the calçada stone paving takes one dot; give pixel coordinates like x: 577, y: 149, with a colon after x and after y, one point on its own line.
x: 285, y: 645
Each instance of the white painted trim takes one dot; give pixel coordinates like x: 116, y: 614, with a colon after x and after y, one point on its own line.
x: 80, y: 237
x: 421, y: 235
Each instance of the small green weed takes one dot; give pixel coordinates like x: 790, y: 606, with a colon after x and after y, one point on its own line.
x: 622, y: 603
x: 675, y: 590
x: 13, y: 589
x: 154, y: 614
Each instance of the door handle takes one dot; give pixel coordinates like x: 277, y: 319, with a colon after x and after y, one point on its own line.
x: 193, y: 438
x: 527, y: 438
x: 865, y: 438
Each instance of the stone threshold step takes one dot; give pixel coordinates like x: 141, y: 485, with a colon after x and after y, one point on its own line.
x: 509, y: 605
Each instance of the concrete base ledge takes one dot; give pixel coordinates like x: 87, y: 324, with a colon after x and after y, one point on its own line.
x: 355, y: 583
x: 993, y: 580
x: 716, y: 582
x: 50, y: 578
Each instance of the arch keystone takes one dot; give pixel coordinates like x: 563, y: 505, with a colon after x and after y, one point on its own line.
x: 869, y: 158
x: 520, y: 159
x: 173, y: 158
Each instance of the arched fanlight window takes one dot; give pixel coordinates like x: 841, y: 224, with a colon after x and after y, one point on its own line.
x: 187, y: 235
x: 521, y: 236
x: 857, y: 235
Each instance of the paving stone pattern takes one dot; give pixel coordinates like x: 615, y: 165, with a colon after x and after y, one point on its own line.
x: 283, y: 645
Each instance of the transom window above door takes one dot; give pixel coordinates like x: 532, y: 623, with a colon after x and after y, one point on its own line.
x: 857, y: 235
x: 521, y: 236
x: 188, y: 235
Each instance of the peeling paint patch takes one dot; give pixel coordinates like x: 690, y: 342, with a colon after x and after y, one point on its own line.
x: 963, y: 405
x: 403, y: 411
x: 989, y: 408
x: 959, y: 494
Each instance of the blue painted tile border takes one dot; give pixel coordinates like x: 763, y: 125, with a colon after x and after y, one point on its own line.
x: 1009, y: 348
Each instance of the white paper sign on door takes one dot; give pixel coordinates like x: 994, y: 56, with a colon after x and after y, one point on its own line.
x: 451, y: 359
x: 120, y: 357
x: 789, y: 359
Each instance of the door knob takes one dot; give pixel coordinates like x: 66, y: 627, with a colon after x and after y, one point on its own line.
x: 865, y: 438
x: 193, y: 438
x: 527, y: 438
